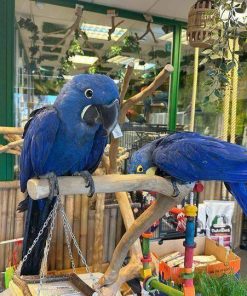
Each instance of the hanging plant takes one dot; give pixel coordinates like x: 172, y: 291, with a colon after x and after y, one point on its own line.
x: 229, y: 18
x: 131, y: 44
x: 35, y: 55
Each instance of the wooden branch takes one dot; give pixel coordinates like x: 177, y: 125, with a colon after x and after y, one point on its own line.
x: 129, y: 219
x: 11, y: 130
x: 148, y: 30
x: 73, y: 28
x: 113, y: 26
x: 141, y: 224
x: 39, y: 188
x: 126, y: 81
x: 159, y: 79
x: 11, y: 145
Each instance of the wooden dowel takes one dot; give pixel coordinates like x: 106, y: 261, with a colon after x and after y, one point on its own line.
x: 10, y: 225
x: 9, y: 184
x: 60, y: 238
x: 11, y: 130
x: 112, y: 232
x: 4, y: 209
x: 84, y: 225
x: 98, y: 232
x: 39, y: 188
x: 90, y: 236
x: 106, y: 234
x: 76, y: 226
x: 69, y: 208
x: 11, y: 145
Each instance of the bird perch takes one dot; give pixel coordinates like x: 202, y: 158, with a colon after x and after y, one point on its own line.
x: 115, y: 276
x: 39, y: 188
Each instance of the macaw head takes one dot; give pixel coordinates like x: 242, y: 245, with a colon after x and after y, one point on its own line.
x: 141, y: 161
x: 90, y: 98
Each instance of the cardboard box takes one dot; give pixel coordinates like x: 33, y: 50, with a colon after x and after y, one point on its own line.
x: 230, y: 262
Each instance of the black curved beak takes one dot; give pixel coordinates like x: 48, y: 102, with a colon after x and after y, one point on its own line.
x: 107, y: 115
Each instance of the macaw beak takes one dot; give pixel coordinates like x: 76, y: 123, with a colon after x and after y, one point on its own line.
x: 151, y: 171
x: 107, y: 115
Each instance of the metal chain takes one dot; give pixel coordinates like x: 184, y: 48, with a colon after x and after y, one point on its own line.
x: 67, y: 239
x: 83, y: 260
x: 18, y: 270
x: 47, y: 247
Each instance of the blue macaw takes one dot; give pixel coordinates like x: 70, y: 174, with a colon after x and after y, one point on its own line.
x: 66, y: 138
x: 189, y: 157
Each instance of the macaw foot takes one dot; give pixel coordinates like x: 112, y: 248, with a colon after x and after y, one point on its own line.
x: 175, y: 187
x: 89, y: 181
x: 53, y: 184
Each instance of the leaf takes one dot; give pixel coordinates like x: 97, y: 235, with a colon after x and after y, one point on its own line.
x: 215, y: 56
x: 208, y: 82
x: 211, y: 73
x: 203, y: 61
x: 206, y: 99
x: 218, y: 93
x: 207, y: 51
x: 223, y: 78
x: 230, y: 66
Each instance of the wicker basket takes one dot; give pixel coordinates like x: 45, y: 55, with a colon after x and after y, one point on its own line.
x: 203, y: 24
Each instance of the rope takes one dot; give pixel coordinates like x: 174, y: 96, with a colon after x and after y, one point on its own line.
x: 194, y: 90
x: 234, y: 93
x: 226, y: 101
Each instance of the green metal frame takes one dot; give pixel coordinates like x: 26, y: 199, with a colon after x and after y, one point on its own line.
x: 7, y: 50
x: 174, y: 86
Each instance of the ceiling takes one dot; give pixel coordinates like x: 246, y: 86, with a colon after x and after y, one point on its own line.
x: 173, y: 9
x: 50, y: 19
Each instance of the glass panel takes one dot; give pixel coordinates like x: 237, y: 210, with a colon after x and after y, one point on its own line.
x: 185, y: 83
x: 41, y: 52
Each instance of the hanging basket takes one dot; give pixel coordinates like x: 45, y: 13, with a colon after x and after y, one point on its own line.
x: 204, y: 25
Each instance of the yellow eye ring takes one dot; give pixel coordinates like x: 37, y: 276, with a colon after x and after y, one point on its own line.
x: 139, y: 169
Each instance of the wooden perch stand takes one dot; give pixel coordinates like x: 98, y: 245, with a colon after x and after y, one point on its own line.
x: 39, y: 188
x: 115, y: 275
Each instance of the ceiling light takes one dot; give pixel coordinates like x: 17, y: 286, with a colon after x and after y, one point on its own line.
x: 80, y: 59
x: 124, y: 60
x: 101, y: 32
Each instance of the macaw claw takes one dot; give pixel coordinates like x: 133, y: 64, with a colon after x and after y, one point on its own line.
x: 89, y: 181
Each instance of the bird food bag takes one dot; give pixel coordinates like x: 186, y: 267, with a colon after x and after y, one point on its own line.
x: 219, y: 221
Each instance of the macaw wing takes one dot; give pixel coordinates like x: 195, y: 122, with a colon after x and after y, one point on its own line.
x: 39, y: 138
x: 99, y: 144
x: 192, y: 157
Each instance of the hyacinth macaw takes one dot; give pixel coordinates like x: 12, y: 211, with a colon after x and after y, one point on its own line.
x: 133, y: 116
x: 189, y: 157
x: 67, y: 138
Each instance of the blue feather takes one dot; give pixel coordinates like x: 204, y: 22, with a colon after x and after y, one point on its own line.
x: 191, y: 157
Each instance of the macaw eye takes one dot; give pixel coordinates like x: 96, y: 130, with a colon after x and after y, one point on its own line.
x: 139, y: 169
x: 88, y: 93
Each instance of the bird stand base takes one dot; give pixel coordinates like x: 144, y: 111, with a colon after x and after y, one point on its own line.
x: 52, y: 285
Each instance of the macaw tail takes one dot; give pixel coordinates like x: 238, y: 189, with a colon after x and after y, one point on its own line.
x: 37, y: 213
x: 239, y: 191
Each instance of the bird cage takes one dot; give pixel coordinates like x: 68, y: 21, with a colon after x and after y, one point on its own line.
x: 204, y: 25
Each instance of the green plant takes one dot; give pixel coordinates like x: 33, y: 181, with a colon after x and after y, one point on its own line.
x: 229, y: 25
x: 227, y: 285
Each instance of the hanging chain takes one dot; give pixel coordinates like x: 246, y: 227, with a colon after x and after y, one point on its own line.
x: 83, y: 260
x: 43, y: 268
x: 18, y: 270
x: 68, y: 232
